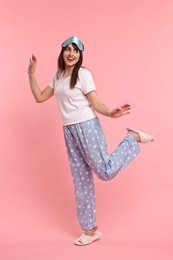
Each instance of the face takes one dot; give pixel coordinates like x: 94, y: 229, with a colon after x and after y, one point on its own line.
x: 71, y: 56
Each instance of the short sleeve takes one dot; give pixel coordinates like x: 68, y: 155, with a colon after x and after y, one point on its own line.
x: 52, y: 82
x: 87, y: 81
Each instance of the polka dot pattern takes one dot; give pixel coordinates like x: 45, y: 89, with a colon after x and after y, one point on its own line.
x: 87, y: 152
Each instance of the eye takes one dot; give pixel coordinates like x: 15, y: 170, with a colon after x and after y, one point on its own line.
x: 68, y: 49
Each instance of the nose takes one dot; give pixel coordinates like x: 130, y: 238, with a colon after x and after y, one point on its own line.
x: 71, y: 52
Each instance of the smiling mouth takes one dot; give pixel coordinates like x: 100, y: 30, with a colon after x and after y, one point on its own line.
x: 70, y: 59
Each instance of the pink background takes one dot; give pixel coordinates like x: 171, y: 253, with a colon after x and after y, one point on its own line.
x: 129, y: 49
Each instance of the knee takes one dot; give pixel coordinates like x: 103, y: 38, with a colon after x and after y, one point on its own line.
x: 105, y: 173
x: 104, y: 176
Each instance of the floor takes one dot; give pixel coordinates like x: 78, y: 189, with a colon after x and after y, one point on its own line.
x: 102, y: 249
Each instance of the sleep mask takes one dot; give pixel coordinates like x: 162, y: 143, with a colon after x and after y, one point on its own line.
x: 75, y: 40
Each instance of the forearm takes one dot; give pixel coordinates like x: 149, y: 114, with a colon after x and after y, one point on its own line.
x: 34, y: 87
x: 101, y: 108
x: 97, y: 105
x: 104, y: 110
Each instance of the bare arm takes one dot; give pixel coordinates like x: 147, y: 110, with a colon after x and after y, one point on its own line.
x: 39, y: 95
x: 104, y: 110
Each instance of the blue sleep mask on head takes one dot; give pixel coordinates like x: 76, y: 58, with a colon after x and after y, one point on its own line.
x: 75, y: 40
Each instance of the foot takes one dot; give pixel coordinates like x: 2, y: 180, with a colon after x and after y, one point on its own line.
x: 84, y: 240
x: 140, y: 136
x: 135, y: 135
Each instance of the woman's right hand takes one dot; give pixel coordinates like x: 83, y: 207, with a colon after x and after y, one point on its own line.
x: 32, y: 65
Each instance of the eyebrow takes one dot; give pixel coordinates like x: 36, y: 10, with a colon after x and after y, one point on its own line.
x: 73, y: 46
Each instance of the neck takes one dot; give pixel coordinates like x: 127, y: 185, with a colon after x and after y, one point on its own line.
x: 68, y: 71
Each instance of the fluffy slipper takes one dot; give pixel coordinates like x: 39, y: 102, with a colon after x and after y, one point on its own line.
x: 144, y: 138
x: 84, y: 240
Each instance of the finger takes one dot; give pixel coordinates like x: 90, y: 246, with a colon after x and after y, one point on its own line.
x: 127, y: 108
x: 126, y: 105
x: 30, y: 61
x: 34, y: 58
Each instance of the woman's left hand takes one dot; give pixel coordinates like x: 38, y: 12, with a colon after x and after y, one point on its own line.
x: 121, y: 111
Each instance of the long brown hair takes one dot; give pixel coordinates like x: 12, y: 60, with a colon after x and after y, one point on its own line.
x: 61, y: 65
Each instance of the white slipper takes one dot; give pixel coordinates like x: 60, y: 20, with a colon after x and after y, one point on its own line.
x: 144, y: 138
x: 84, y: 240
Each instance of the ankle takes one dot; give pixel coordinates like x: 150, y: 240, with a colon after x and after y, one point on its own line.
x: 90, y: 232
x: 135, y: 135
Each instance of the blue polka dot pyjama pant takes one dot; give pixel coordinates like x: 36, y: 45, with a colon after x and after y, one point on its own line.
x: 87, y: 152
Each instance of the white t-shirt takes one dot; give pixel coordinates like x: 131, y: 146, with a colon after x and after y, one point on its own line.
x: 73, y: 103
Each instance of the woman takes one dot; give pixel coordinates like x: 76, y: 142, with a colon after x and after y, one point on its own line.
x: 75, y: 91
